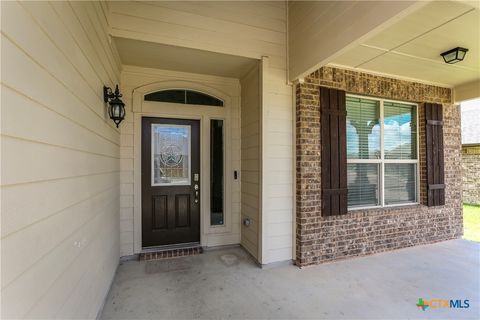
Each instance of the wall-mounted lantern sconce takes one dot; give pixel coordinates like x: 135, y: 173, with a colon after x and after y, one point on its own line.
x: 454, y: 55
x: 116, y: 108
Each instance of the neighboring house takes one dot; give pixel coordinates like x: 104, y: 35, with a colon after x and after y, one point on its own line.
x: 471, y: 152
x: 302, y: 131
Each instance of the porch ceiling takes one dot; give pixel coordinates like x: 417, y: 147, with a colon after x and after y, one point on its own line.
x: 411, y: 47
x: 162, y: 56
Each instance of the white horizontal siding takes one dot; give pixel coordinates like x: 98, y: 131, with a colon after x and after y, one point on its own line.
x: 33, y: 117
x: 264, y: 15
x: 249, y: 29
x: 60, y: 160
x: 31, y: 161
x: 270, y: 205
x: 278, y: 149
x: 251, y: 162
x: 52, y: 196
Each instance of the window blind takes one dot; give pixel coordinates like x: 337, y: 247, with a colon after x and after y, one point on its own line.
x: 400, y: 131
x: 363, y: 183
x: 400, y: 183
x: 363, y: 129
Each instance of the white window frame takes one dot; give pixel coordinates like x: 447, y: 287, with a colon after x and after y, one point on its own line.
x: 382, y: 161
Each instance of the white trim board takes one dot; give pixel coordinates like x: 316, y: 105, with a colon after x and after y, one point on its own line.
x: 229, y: 233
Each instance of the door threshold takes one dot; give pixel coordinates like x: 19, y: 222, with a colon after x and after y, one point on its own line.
x: 171, y: 247
x: 161, y: 253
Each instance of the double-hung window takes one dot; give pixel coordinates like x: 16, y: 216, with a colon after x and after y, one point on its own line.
x: 382, y: 152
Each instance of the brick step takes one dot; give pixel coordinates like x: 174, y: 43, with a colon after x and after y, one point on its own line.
x: 170, y: 253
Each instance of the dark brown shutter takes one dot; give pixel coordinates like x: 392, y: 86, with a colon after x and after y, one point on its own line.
x: 435, y: 163
x: 334, y: 151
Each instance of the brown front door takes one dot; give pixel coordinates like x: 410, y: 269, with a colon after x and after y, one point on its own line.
x: 170, y: 181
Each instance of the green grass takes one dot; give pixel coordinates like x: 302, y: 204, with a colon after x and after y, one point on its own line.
x: 471, y: 222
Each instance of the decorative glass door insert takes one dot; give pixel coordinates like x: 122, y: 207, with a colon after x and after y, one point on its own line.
x: 170, y: 154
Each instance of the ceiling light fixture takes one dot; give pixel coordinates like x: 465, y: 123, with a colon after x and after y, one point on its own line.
x: 454, y: 55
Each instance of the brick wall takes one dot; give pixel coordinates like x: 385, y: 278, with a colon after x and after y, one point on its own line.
x: 471, y: 174
x: 361, y: 232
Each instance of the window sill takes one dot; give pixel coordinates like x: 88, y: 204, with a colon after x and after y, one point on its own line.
x: 395, y: 206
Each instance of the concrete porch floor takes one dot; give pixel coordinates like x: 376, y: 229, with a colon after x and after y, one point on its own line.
x: 225, y: 283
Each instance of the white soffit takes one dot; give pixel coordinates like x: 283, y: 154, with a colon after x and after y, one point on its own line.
x: 167, y: 57
x: 411, y: 47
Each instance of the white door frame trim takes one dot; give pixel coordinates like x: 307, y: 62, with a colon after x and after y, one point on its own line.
x: 143, y: 108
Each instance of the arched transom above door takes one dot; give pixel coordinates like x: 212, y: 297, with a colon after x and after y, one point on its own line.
x: 185, y: 92
x: 184, y: 96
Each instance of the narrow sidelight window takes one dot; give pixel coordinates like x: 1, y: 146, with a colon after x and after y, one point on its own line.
x: 216, y: 173
x: 382, y: 153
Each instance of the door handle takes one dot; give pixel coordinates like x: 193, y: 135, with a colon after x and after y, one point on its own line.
x: 197, y: 193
